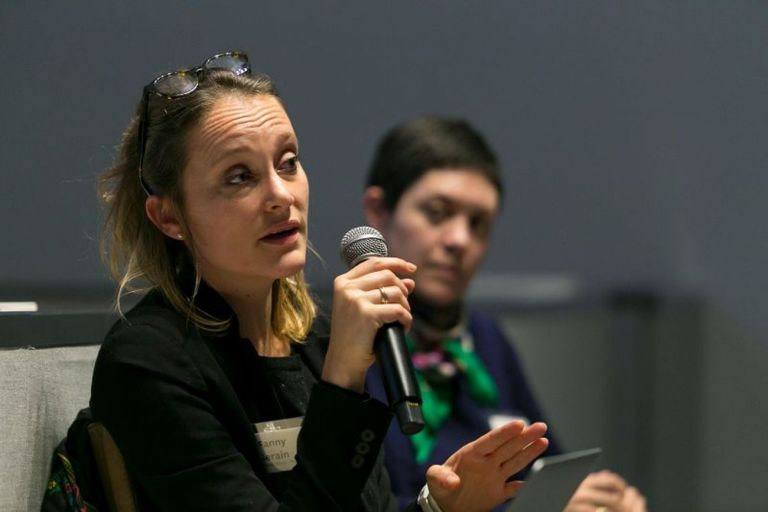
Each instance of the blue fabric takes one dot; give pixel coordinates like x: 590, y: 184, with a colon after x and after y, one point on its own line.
x: 469, y: 420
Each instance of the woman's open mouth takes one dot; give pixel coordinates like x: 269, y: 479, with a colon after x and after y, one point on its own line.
x: 285, y: 236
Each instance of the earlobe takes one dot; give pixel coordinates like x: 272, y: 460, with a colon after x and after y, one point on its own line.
x: 163, y: 215
x: 376, y: 213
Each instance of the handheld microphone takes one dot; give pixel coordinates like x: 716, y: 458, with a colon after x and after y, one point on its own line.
x: 357, y: 245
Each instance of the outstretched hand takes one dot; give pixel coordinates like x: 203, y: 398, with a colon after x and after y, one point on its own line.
x: 475, y: 477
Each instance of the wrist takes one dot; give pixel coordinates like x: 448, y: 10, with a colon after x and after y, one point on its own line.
x: 340, y: 372
x: 426, y: 501
x: 344, y: 380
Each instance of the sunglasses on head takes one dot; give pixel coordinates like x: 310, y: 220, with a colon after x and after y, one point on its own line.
x: 181, y: 83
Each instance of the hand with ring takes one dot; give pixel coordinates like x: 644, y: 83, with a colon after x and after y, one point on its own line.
x: 369, y: 295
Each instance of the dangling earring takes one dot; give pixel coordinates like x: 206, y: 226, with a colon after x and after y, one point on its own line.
x: 180, y: 236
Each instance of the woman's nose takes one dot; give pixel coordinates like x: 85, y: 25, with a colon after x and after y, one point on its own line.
x: 457, y: 233
x: 279, y: 194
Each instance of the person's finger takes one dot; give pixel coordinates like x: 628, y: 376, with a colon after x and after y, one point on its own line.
x: 393, y: 313
x: 596, y: 497
x: 442, y: 478
x: 389, y: 295
x: 633, y: 501
x: 442, y: 483
x: 525, y: 456
x: 516, y: 444
x: 579, y: 507
x: 377, y: 263
x: 607, y: 480
x: 512, y: 488
x: 378, y: 279
x: 491, y: 441
x: 534, y: 430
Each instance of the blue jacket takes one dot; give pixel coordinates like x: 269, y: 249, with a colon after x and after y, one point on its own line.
x: 468, y: 420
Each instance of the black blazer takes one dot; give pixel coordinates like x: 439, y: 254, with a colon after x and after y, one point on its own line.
x: 181, y: 405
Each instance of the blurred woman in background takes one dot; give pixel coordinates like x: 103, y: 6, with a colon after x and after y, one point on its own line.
x: 434, y: 191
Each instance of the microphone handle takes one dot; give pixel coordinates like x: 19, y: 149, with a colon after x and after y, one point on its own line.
x: 399, y: 378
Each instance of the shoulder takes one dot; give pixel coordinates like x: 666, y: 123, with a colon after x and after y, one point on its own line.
x: 152, y: 334
x: 491, y: 341
x: 151, y: 315
x: 486, y: 329
x: 149, y: 355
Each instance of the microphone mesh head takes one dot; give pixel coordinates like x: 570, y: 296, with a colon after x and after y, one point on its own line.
x: 360, y: 243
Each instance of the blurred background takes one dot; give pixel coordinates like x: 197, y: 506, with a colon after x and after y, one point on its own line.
x: 628, y: 263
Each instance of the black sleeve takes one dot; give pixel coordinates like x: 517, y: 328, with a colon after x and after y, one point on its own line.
x: 151, y: 396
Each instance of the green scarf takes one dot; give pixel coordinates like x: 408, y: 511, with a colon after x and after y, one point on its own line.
x: 437, y: 382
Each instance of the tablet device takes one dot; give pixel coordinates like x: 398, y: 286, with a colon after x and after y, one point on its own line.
x: 553, y: 480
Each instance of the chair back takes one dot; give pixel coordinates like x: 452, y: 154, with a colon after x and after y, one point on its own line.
x: 111, y: 467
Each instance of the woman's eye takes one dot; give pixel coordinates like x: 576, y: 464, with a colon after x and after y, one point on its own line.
x: 434, y: 213
x: 239, y: 176
x: 480, y: 225
x: 290, y: 165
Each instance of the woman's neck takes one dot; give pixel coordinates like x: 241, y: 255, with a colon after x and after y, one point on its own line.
x: 253, y: 310
x: 432, y: 323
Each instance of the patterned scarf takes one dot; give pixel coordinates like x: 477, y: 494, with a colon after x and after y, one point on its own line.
x: 438, y: 370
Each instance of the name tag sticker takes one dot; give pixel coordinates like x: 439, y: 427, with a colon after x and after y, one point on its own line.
x: 277, y: 442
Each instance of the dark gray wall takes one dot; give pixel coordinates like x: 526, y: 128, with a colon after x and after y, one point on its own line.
x: 633, y: 134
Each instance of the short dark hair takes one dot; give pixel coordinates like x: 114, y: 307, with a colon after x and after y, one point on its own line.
x: 411, y: 149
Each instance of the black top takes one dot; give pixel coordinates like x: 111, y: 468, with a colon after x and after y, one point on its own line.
x: 292, y: 382
x: 181, y: 405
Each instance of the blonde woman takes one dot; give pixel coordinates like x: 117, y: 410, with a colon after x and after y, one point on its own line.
x: 222, y: 387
